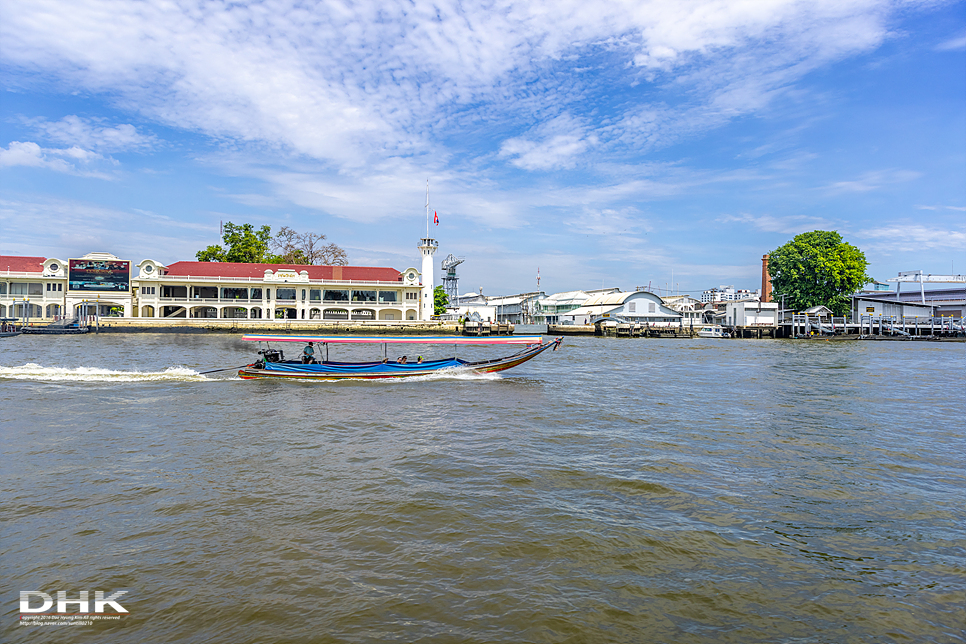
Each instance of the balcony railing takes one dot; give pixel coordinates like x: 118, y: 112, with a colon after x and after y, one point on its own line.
x: 189, y: 301
x: 250, y: 280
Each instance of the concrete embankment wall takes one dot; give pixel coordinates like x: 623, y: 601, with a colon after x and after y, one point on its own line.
x: 570, y: 329
x: 277, y: 327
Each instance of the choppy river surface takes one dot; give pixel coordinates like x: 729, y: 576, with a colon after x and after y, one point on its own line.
x: 617, y: 490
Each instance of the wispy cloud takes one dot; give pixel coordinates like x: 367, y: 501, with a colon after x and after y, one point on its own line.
x: 554, y: 144
x: 71, y: 160
x: 70, y: 228
x: 874, y: 180
x: 92, y: 135
x: 790, y: 225
x: 913, y: 237
x: 953, y: 44
x: 348, y: 83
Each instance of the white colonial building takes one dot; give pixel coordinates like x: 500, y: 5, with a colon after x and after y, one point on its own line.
x: 101, y: 284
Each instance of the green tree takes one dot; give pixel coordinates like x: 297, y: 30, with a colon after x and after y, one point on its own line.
x: 249, y: 246
x: 440, y: 300
x: 817, y: 268
x: 244, y: 244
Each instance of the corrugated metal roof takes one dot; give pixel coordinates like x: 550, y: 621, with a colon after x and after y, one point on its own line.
x: 335, y: 273
x: 604, y: 299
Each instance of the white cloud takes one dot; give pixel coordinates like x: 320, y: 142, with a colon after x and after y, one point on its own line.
x: 349, y: 83
x: 913, y: 237
x: 953, y: 44
x: 85, y: 133
x: 789, y: 225
x: 551, y: 145
x: 874, y: 180
x: 30, y: 154
x: 67, y: 228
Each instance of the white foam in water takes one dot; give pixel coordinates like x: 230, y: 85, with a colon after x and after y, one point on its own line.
x: 32, y: 371
x: 454, y: 373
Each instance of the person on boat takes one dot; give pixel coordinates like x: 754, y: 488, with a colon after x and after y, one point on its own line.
x: 403, y: 360
x: 419, y: 360
x: 308, y: 354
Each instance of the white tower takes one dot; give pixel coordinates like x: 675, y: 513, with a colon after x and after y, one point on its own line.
x: 427, y: 247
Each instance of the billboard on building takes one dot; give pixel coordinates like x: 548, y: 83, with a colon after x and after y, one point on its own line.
x: 99, y: 275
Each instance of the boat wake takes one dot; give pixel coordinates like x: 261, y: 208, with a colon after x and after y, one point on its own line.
x: 32, y: 371
x: 456, y: 374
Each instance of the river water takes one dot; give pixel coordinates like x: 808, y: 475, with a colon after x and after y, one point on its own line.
x: 616, y: 490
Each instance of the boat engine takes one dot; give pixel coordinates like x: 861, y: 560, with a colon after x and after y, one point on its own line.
x: 272, y: 355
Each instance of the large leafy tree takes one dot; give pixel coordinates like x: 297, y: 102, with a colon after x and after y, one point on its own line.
x: 817, y: 268
x: 242, y: 243
x: 440, y: 300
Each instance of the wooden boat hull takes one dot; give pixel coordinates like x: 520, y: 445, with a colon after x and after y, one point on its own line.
x: 381, y: 370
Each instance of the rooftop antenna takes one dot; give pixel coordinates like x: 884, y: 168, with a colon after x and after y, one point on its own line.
x: 538, y: 278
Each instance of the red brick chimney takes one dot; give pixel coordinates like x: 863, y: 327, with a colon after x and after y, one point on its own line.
x: 765, y: 280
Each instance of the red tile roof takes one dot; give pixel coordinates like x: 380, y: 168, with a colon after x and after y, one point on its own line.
x: 226, y: 269
x: 22, y: 264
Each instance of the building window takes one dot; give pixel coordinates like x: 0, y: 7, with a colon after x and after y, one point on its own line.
x: 285, y: 294
x: 315, y: 294
x: 256, y: 294
x: 3, y: 288
x: 632, y: 307
x: 363, y: 296
x: 651, y: 307
x: 174, y: 291
x: 387, y: 296
x: 336, y: 296
x: 231, y: 293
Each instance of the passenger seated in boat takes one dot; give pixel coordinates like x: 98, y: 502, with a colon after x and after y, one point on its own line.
x: 419, y: 360
x: 403, y: 360
x: 308, y: 354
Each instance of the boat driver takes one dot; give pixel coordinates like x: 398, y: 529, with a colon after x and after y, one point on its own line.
x: 308, y: 354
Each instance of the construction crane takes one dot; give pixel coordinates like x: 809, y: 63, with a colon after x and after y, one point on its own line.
x: 450, y: 280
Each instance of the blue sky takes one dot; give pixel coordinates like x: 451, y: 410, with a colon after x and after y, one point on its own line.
x: 611, y: 144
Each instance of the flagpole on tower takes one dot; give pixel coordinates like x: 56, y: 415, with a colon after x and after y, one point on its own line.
x: 427, y: 208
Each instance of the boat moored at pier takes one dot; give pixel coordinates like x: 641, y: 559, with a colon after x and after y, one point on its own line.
x: 713, y: 332
x: 274, y: 365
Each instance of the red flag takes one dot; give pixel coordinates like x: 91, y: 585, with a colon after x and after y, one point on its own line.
x: 435, y: 218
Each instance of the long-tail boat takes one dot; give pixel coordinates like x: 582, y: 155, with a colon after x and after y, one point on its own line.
x: 272, y: 363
